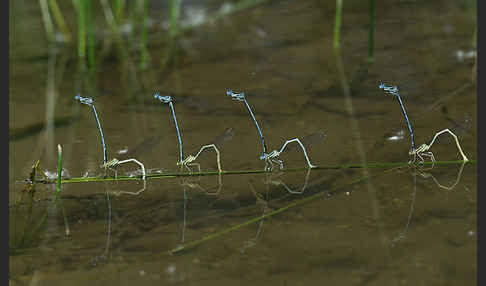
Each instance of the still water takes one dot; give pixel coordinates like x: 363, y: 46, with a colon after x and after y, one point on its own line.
x: 354, y: 226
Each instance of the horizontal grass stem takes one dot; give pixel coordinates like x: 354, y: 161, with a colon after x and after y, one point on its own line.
x: 242, y: 172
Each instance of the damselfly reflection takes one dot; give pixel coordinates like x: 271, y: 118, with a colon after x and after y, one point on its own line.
x: 144, y: 187
x: 263, y: 201
x: 195, y: 184
x: 183, y: 231
x: 104, y: 256
x: 403, y: 235
x: 426, y: 175
x: 270, y: 180
x: 415, y: 173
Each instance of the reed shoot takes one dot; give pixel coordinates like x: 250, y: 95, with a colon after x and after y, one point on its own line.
x: 371, y: 40
x: 59, y: 167
x: 337, y: 24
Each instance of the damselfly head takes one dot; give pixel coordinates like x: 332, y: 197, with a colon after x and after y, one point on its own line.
x: 163, y: 99
x: 389, y: 89
x: 84, y: 100
x: 236, y: 96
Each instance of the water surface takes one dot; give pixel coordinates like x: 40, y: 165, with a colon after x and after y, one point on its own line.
x: 397, y: 228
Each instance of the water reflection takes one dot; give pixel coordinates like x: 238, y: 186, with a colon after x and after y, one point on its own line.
x: 145, y: 224
x: 36, y: 217
x: 103, y: 258
x: 420, y: 172
x: 117, y: 193
x: 263, y: 201
x: 27, y: 237
x: 193, y: 183
x: 427, y: 175
x: 337, y: 236
x: 270, y: 180
x: 403, y: 235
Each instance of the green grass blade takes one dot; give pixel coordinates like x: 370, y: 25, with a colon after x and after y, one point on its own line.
x: 59, y: 167
x: 80, y: 9
x: 143, y: 48
x: 46, y: 19
x: 371, y: 41
x: 56, y: 12
x: 88, y: 6
x: 337, y: 24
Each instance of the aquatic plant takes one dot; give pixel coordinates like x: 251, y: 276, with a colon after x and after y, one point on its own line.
x: 58, y: 191
x: 371, y: 39
x: 143, y: 38
x: 337, y: 24
x: 59, y: 167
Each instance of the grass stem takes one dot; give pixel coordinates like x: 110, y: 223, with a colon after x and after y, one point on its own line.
x: 371, y: 40
x: 337, y: 24
x: 88, y: 6
x: 143, y: 40
x: 56, y: 12
x: 81, y: 14
x: 175, y: 8
x: 59, y: 168
x: 245, y: 172
x: 46, y: 19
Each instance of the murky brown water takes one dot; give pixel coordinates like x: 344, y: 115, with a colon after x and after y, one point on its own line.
x: 397, y: 228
